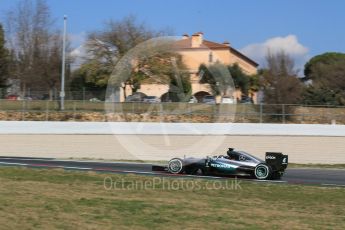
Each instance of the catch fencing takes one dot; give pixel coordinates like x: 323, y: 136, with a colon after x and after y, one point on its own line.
x: 83, y: 110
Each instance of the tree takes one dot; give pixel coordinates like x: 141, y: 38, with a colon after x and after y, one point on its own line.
x: 165, y: 67
x: 108, y: 46
x: 279, y: 80
x: 4, y: 61
x: 241, y: 80
x: 35, y: 46
x: 321, y: 96
x: 118, y: 37
x: 89, y: 77
x: 327, y: 75
x: 323, y: 59
x: 180, y: 87
x: 51, y: 58
x: 216, y: 76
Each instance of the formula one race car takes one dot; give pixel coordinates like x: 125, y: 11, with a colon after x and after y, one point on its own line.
x: 235, y: 163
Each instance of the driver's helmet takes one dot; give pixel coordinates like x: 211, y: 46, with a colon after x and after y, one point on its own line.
x: 230, y: 151
x: 231, y: 154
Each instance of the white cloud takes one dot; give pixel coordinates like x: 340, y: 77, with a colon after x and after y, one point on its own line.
x: 289, y: 44
x: 78, y: 52
x: 77, y: 39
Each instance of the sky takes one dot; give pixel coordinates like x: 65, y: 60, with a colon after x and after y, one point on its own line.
x: 302, y: 28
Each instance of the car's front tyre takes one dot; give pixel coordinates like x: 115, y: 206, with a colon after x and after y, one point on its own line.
x: 176, y: 166
x: 262, y: 172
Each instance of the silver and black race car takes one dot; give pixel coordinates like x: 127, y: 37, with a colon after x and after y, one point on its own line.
x: 235, y: 163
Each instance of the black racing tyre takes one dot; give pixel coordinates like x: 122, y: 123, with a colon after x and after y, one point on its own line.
x: 262, y: 172
x: 176, y: 166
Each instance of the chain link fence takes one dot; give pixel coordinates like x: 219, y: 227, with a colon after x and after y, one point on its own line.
x: 85, y: 110
x: 54, y: 94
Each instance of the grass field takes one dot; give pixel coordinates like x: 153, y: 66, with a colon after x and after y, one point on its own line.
x: 57, y: 199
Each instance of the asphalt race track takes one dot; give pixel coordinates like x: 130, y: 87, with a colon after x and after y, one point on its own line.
x: 324, y: 177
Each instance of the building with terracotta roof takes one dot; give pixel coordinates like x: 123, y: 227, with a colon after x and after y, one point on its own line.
x: 195, y: 50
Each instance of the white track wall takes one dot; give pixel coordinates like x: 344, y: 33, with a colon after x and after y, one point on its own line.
x: 162, y: 141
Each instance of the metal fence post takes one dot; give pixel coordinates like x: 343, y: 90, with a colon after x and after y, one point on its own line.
x: 83, y: 94
x: 283, y: 113
x: 133, y: 107
x: 161, y: 111
x: 47, y: 110
x: 23, y: 110
x: 190, y: 111
x: 331, y: 115
x: 74, y: 109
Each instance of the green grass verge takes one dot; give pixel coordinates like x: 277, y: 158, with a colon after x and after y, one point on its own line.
x: 58, y: 199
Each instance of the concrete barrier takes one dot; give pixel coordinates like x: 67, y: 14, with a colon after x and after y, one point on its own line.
x: 155, y: 141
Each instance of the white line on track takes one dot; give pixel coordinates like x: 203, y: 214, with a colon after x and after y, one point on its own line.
x: 79, y: 168
x: 271, y: 181
x: 105, y: 162
x: 206, y: 177
x: 24, y: 158
x: 7, y: 163
x: 65, y: 167
x: 102, y: 162
x: 78, y: 161
x: 125, y: 171
x: 53, y: 166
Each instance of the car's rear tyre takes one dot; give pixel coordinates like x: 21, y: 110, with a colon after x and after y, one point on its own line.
x: 262, y: 172
x: 176, y: 166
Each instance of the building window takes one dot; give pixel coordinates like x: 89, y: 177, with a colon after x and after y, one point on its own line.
x: 210, y: 57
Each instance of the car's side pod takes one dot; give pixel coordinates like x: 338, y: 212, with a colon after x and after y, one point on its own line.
x: 277, y: 161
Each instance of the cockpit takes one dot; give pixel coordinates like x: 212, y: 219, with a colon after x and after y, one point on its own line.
x: 239, y: 156
x: 236, y: 156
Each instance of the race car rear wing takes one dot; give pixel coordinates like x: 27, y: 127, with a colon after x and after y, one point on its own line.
x: 277, y: 161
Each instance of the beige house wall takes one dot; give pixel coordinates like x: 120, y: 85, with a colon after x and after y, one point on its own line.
x: 197, y: 87
x: 149, y: 89
x: 193, y: 57
x: 245, y: 66
x: 128, y: 92
x: 154, y: 89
